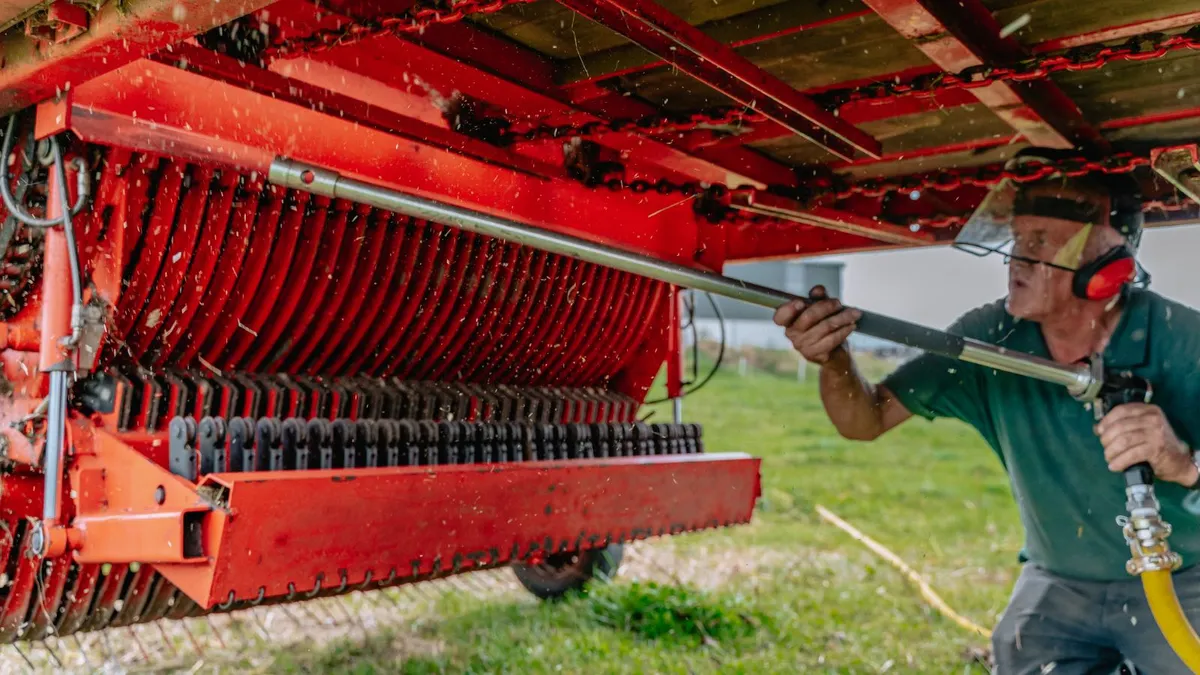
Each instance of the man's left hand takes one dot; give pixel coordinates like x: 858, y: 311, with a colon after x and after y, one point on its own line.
x: 1140, y: 432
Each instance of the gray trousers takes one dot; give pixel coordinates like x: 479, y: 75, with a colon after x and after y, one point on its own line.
x: 1067, y: 627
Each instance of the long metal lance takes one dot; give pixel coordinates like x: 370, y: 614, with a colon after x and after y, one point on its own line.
x: 1080, y: 380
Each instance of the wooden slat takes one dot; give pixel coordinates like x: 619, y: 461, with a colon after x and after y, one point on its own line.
x: 1129, y: 88
x: 940, y: 127
x: 767, y: 20
x: 560, y: 33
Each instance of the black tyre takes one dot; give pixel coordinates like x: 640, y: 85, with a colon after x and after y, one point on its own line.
x: 562, y: 573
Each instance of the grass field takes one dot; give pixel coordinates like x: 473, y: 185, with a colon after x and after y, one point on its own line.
x: 788, y: 593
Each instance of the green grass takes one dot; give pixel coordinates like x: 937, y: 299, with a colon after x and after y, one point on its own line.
x: 815, y: 600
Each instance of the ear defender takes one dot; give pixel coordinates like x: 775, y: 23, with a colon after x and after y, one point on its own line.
x: 1106, y: 276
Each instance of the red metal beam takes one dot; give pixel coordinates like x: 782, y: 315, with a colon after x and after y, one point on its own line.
x: 587, y: 87
x: 120, y: 32
x: 393, y: 64
x: 152, y: 107
x: 860, y: 112
x: 718, y: 66
x: 752, y: 242
x: 959, y: 34
x: 458, y: 518
x: 1119, y: 32
x: 996, y: 141
x: 431, y: 130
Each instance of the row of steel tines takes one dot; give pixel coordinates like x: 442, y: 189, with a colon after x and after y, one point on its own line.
x: 214, y: 444
x: 150, y: 400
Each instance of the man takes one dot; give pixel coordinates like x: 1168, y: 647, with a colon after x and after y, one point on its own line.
x: 1074, y: 609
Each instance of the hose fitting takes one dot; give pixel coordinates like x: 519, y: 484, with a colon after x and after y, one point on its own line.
x: 1146, y: 533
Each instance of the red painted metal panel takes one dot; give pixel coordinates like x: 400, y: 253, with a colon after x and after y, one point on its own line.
x: 79, y: 599
x: 508, y: 313
x: 47, y: 596
x: 201, y: 267
x: 185, y: 233
x: 118, y: 33
x: 500, y: 513
x: 347, y: 266
x: 308, y: 90
x: 212, y: 307
x: 414, y: 238
x: 497, y: 281
x: 310, y: 226
x: 686, y: 47
x: 249, y: 275
x: 166, y: 109
x: 401, y: 65
x: 154, y: 236
x: 366, y: 269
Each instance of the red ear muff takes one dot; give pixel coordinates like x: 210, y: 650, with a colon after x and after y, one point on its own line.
x: 1106, y: 276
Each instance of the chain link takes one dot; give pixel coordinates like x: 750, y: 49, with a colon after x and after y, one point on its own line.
x: 945, y: 220
x: 715, y: 207
x: 1089, y: 57
x: 945, y: 181
x: 651, y: 125
x: 415, y: 20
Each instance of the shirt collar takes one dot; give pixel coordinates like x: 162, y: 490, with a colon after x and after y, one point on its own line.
x: 1127, y: 349
x: 1130, y: 344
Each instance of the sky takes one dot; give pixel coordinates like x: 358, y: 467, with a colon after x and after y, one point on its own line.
x: 903, y: 283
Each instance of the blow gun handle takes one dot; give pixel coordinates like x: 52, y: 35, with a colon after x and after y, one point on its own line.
x: 1120, y: 389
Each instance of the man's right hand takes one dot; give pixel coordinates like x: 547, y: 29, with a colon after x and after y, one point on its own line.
x: 819, y: 327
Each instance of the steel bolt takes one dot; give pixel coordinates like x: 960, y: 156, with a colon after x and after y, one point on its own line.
x: 160, y: 495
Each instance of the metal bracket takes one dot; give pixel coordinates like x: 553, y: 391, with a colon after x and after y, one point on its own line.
x: 1180, y: 165
x: 62, y: 22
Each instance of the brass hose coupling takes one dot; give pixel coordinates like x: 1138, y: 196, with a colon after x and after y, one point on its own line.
x: 1146, y: 532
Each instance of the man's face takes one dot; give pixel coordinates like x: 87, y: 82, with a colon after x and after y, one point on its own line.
x: 1038, y: 291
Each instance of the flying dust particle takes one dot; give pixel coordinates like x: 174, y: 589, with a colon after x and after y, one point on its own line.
x: 1016, y: 25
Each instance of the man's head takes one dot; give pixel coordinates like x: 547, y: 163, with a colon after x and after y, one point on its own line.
x: 1056, y: 233
x: 1059, y: 226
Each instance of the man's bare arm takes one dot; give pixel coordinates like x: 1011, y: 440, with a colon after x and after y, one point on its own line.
x: 858, y: 409
x: 818, y: 330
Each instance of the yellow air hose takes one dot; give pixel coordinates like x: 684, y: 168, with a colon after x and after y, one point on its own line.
x: 1168, y: 614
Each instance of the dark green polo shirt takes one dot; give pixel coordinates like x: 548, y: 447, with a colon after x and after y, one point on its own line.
x: 1067, y: 497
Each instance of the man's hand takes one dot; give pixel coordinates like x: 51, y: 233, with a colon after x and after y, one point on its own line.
x: 819, y: 328
x: 1139, y: 432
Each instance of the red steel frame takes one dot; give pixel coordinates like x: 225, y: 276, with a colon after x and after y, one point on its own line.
x: 958, y: 34
x: 127, y: 93
x: 247, y: 537
x: 686, y: 47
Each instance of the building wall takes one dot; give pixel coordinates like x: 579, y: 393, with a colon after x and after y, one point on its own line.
x: 747, y: 324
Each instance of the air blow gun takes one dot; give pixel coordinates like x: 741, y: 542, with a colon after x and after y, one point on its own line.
x: 1143, y: 528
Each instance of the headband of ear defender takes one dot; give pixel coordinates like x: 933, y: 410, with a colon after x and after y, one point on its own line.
x: 1111, y: 273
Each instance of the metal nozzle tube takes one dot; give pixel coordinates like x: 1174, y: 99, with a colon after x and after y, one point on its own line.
x: 319, y: 181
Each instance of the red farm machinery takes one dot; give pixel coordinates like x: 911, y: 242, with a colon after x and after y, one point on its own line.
x: 224, y: 389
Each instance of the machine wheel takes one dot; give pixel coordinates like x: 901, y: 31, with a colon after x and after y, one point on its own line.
x: 562, y: 573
